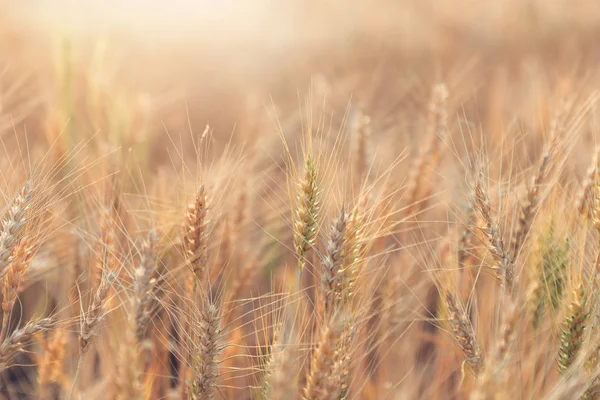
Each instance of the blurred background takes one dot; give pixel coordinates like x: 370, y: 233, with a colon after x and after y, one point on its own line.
x: 244, y: 64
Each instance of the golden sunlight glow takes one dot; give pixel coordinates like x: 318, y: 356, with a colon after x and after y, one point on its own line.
x: 168, y: 17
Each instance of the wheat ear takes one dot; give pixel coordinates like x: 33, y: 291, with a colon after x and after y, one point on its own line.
x: 322, y: 362
x: 464, y: 334
x: 532, y: 203
x: 206, y: 361
x: 91, y: 320
x: 128, y: 382
x: 429, y: 156
x: 14, y: 343
x: 51, y: 363
x: 306, y: 214
x: 195, y: 237
x: 342, y: 370
x: 144, y: 283
x: 505, y: 269
x: 585, y: 197
x: 12, y: 281
x: 596, y: 215
x: 362, y: 131
x: 571, y: 338
x: 13, y: 226
x: 280, y: 368
x: 493, y: 376
x: 331, y: 280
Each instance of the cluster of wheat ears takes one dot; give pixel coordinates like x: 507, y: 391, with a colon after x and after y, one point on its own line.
x: 329, y: 250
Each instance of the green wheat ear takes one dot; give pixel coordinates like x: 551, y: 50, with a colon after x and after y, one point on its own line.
x: 552, y: 267
x: 573, y: 329
x: 306, y: 215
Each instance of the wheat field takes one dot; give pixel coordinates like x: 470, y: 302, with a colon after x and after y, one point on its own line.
x: 300, y: 200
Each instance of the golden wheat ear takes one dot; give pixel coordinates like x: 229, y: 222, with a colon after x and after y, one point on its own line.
x: 95, y: 313
x: 13, y: 344
x: 321, y: 383
x: 464, y: 334
x: 533, y: 201
x: 206, y: 354
x: 13, y: 226
x: 307, y: 212
x: 494, y: 378
x: 419, y: 187
x: 20, y: 261
x: 361, y: 135
x: 280, y: 368
x: 51, y: 368
x: 332, y: 277
x: 195, y: 239
x: 144, y: 283
x: 91, y: 320
x: 127, y: 377
x: 585, y: 197
x: 505, y: 266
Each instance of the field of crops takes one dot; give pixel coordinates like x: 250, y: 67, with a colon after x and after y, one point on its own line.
x: 300, y: 199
